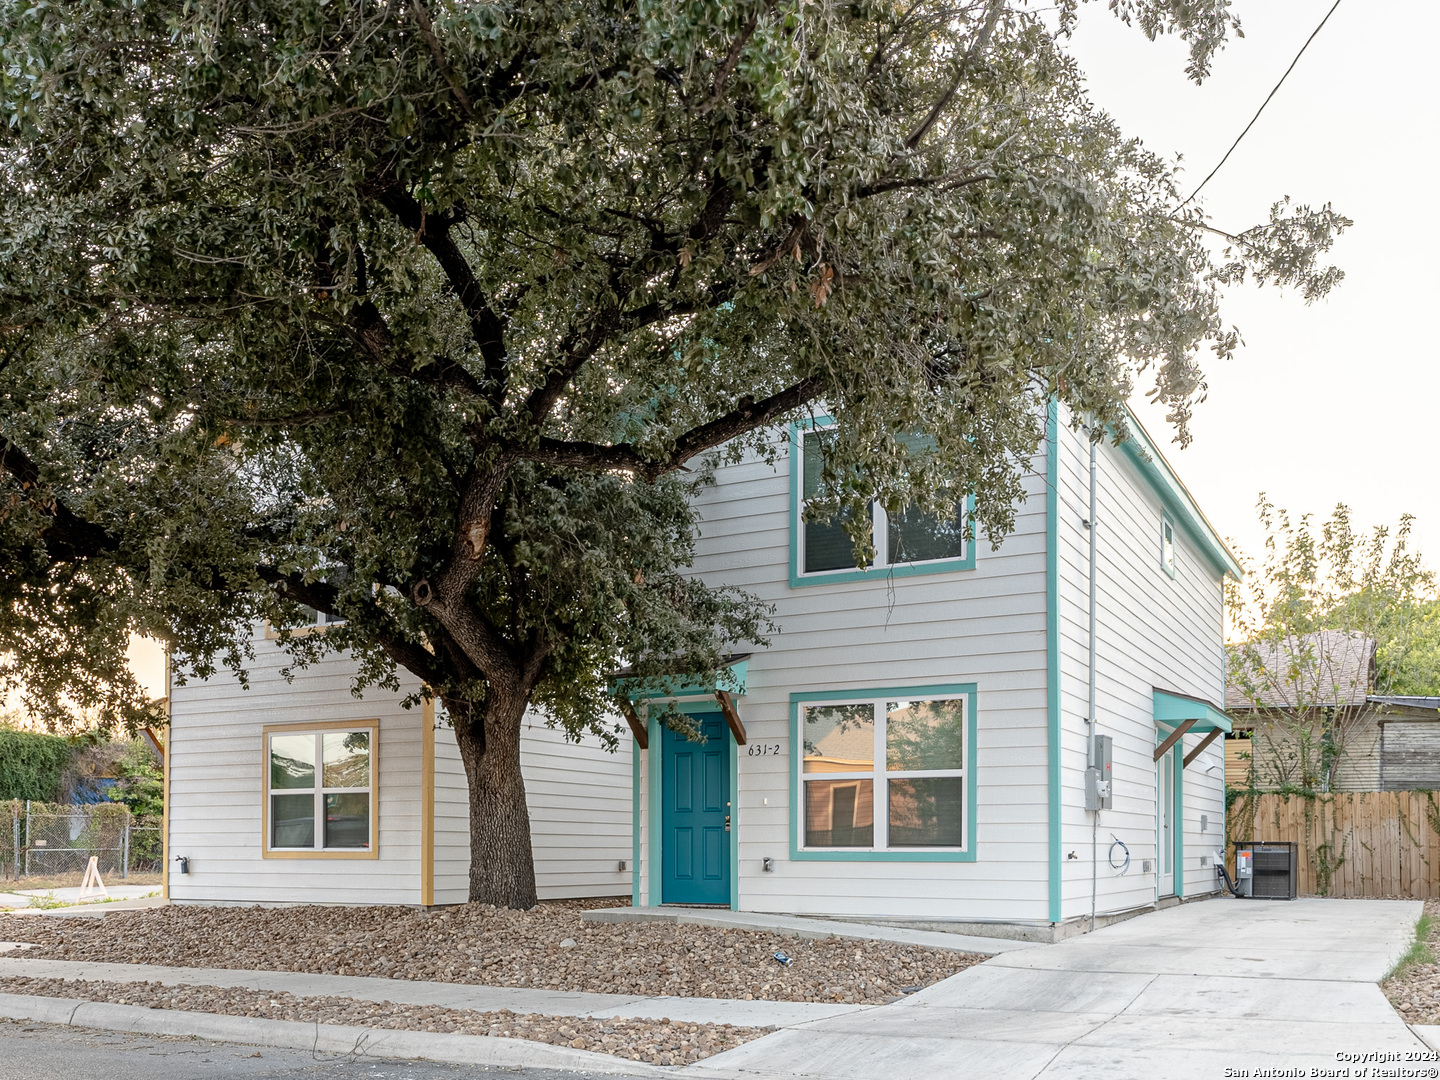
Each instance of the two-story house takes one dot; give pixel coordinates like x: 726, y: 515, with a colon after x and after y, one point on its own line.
x: 913, y: 745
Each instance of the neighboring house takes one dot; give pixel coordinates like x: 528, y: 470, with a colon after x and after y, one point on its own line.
x: 913, y: 743
x: 1303, y: 713
x: 1409, y: 750
x: 297, y: 791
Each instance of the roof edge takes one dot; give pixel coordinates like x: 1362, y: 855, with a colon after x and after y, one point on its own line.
x: 1140, y: 448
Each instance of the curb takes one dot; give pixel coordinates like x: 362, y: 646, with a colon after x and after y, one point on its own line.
x: 337, y: 1039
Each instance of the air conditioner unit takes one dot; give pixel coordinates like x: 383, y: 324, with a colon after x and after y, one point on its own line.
x: 1266, y: 869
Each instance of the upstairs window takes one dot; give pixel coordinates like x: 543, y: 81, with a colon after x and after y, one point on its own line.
x: 909, y: 540
x: 1167, y: 546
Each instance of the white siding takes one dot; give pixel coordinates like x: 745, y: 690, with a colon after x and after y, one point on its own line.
x: 579, y: 797
x: 1152, y: 631
x: 217, y: 784
x: 984, y: 626
x: 452, y: 821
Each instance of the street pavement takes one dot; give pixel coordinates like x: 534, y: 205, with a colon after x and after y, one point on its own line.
x: 48, y: 1052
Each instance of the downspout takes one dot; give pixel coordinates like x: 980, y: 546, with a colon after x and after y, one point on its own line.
x: 1090, y: 718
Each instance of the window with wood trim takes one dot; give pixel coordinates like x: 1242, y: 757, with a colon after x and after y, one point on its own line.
x: 320, y: 789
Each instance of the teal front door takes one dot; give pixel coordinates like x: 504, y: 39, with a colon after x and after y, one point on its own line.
x: 695, y: 814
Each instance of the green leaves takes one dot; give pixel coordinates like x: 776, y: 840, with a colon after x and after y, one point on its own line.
x: 293, y: 287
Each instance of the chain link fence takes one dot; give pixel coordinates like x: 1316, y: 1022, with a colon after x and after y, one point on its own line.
x: 49, y: 840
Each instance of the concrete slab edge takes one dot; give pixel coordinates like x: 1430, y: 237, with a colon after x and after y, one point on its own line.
x: 1429, y: 1034
x: 340, y: 1040
x: 473, y: 997
x: 818, y: 929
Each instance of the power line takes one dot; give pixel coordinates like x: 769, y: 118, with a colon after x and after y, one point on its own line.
x: 1263, y: 104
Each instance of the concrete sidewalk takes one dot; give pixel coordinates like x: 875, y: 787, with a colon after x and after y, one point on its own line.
x: 26, y: 899
x: 803, y: 927
x: 1187, y: 992
x: 691, y: 1010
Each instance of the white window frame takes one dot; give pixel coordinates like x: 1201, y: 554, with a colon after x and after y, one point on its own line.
x: 1167, y: 545
x: 319, y: 791
x: 880, y: 775
x: 879, y: 525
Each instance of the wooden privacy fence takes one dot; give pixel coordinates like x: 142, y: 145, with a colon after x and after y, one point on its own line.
x: 1350, y: 844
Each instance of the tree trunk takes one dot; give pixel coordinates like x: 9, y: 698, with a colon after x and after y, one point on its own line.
x: 502, y: 867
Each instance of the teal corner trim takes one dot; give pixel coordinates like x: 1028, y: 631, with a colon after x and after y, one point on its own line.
x: 635, y: 819
x: 1176, y: 498
x: 797, y: 854
x: 652, y: 820
x: 652, y: 817
x: 873, y: 573
x: 1170, y: 709
x: 1052, y: 648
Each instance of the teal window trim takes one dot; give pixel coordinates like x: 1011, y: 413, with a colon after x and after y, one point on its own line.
x: 1167, y: 561
x: 799, y: 854
x: 872, y: 573
x: 652, y: 727
x: 1052, y: 653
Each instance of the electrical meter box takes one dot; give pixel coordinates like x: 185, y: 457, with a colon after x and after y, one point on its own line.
x: 1098, y: 776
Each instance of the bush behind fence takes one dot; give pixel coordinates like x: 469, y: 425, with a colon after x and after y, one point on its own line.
x: 1350, y: 844
x: 46, y: 840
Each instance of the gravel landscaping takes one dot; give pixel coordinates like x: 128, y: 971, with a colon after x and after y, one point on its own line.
x: 659, y: 1042
x: 548, y: 948
x: 1415, y: 991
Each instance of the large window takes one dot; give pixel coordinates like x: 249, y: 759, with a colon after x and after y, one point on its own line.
x: 885, y: 773
x: 320, y: 790
x: 907, y: 541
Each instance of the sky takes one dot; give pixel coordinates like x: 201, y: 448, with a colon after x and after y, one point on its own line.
x: 1331, y: 402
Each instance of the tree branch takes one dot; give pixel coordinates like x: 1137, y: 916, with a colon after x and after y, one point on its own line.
x: 427, y: 31
x: 69, y: 537
x: 747, y: 415
x: 732, y: 58
x: 982, y: 40
x: 486, y: 328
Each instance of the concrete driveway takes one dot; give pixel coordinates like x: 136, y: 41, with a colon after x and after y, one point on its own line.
x: 1187, y: 992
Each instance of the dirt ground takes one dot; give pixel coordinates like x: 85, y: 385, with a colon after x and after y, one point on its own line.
x: 659, y: 1042
x: 548, y: 947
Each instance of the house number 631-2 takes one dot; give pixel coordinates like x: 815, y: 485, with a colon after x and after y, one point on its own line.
x: 762, y: 749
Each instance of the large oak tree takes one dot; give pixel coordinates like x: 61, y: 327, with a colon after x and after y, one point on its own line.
x: 426, y: 314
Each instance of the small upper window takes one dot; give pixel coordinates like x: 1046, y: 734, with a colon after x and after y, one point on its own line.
x: 909, y: 537
x: 1167, y: 546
